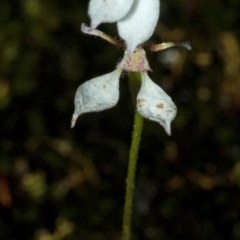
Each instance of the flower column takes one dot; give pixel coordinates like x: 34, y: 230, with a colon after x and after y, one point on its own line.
x: 136, y: 21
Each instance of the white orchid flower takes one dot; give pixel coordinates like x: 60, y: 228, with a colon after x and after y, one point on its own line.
x: 136, y: 20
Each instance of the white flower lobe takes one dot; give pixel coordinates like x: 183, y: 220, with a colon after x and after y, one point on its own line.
x: 154, y: 104
x: 97, y: 94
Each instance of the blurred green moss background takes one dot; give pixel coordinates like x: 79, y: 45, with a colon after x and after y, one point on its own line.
x: 57, y: 183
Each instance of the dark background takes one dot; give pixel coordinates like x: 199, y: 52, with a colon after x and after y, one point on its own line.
x: 57, y: 183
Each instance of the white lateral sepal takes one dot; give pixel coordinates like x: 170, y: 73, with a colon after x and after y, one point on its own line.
x: 107, y: 11
x: 139, y: 24
x: 97, y: 94
x: 154, y: 104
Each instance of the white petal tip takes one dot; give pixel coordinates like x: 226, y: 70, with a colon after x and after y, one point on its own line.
x: 130, y: 50
x: 73, y: 121
x: 167, y: 128
x: 128, y: 54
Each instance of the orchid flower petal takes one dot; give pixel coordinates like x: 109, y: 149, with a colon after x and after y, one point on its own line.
x: 138, y: 25
x: 154, y: 104
x: 103, y: 11
x: 97, y: 94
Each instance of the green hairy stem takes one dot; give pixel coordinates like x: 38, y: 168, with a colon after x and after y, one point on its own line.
x: 135, y: 83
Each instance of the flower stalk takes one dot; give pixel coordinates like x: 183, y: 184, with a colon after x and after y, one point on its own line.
x: 135, y: 83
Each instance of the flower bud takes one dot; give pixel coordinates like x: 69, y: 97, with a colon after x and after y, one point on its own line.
x: 138, y: 25
x: 97, y: 94
x: 154, y: 104
x: 101, y: 11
